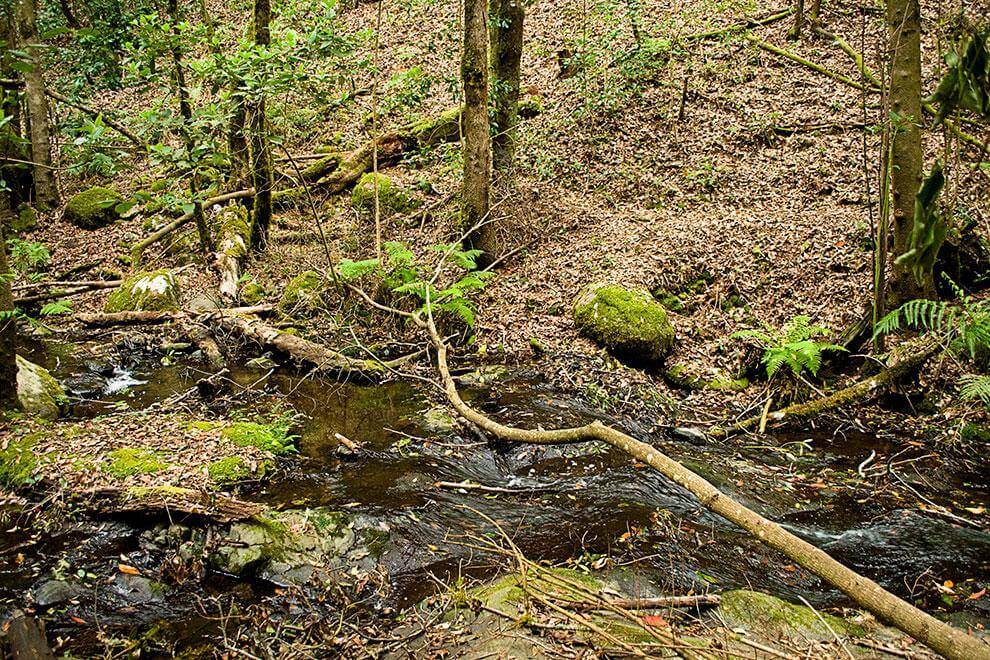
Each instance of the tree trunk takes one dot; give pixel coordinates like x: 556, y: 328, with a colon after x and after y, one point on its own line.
x: 17, y: 176
x: 45, y: 187
x: 261, y: 159
x: 8, y: 331
x: 507, y: 43
x: 70, y: 17
x: 185, y: 110
x: 795, y: 32
x: 904, y: 44
x: 477, y: 139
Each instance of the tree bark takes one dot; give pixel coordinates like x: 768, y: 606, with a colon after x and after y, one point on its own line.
x: 8, y: 333
x: 949, y: 641
x: 45, y: 186
x: 261, y: 158
x: 477, y: 139
x: 185, y: 110
x: 904, y: 52
x: 507, y: 17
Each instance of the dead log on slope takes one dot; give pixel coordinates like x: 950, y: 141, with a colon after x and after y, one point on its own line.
x: 69, y: 291
x: 910, y: 360
x: 102, y: 320
x: 233, y: 232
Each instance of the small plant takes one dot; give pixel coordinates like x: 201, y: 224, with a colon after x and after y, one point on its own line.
x: 792, y: 346
x: 975, y: 387
x: 27, y: 256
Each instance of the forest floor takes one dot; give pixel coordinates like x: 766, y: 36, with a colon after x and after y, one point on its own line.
x: 705, y: 170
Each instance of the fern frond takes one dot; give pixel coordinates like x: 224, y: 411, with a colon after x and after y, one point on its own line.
x: 352, y: 270
x: 974, y: 386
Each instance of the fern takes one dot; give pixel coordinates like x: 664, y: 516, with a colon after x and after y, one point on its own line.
x: 56, y: 308
x: 975, y: 387
x: 793, y: 346
x: 352, y: 270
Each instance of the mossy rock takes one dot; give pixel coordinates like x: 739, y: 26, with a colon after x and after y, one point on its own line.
x: 773, y: 617
x: 38, y: 392
x: 25, y: 220
x: 17, y: 462
x: 130, y: 461
x: 93, y: 208
x: 253, y: 293
x: 392, y: 198
x: 156, y: 291
x: 303, y: 294
x: 973, y: 433
x: 627, y: 322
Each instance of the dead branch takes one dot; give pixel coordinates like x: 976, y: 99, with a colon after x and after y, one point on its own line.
x: 658, y: 603
x: 739, y: 27
x: 128, y: 318
x: 770, y: 48
x: 120, y: 128
x: 210, y: 506
x: 68, y: 292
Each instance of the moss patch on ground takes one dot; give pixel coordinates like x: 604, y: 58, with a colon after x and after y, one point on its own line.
x: 129, y: 461
x: 18, y: 462
x: 302, y: 294
x: 774, y: 617
x: 391, y: 197
x: 234, y: 468
x: 274, y: 437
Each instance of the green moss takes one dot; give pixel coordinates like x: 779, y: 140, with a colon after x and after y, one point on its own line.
x: 775, y: 617
x: 685, y: 377
x: 391, y: 197
x: 375, y: 540
x: 233, y: 469
x: 129, y: 461
x: 973, y: 433
x: 435, y: 130
x: 25, y: 220
x: 628, y: 322
x: 253, y: 293
x: 38, y: 392
x: 669, y: 300
x: 93, y: 208
x: 18, y: 462
x: 152, y: 291
x: 302, y: 294
x: 269, y: 437
x: 202, y: 425
x: 233, y: 230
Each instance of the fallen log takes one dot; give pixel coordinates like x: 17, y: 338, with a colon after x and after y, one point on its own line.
x: 658, y: 603
x: 67, y: 292
x: 170, y: 501
x: 304, y: 352
x: 909, y: 361
x: 233, y: 232
x: 943, y: 638
x: 128, y: 318
x: 138, y: 248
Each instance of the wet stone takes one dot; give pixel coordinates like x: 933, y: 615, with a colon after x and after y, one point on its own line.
x: 137, y: 590
x: 55, y: 592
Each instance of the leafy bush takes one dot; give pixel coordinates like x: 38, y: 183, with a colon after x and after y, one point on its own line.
x: 28, y: 257
x: 792, y: 346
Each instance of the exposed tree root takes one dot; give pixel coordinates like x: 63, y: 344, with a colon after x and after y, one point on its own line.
x: 864, y: 390
x: 945, y: 639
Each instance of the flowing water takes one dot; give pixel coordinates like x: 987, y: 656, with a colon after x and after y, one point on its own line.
x: 575, y: 502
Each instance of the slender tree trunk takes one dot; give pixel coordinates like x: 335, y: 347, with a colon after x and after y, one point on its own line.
x: 261, y: 158
x: 17, y: 176
x: 507, y: 44
x: 45, y: 187
x: 70, y: 17
x: 795, y: 32
x: 904, y: 44
x: 185, y: 110
x: 8, y: 327
x: 237, y: 145
x: 477, y: 139
x: 815, y: 11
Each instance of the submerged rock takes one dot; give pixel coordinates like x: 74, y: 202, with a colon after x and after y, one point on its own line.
x: 156, y: 291
x: 773, y: 617
x: 137, y: 590
x: 93, y: 208
x: 299, y: 547
x: 54, y: 592
x: 38, y: 391
x: 627, y: 322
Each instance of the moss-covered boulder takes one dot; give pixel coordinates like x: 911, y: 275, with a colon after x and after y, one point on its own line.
x: 93, y: 208
x: 627, y: 322
x: 25, y: 220
x: 156, y: 291
x: 38, y: 391
x: 253, y: 293
x: 303, y: 294
x: 297, y: 547
x: 392, y: 198
x: 773, y: 617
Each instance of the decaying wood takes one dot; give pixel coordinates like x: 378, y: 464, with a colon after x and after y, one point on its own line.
x: 303, y: 351
x: 73, y: 290
x: 26, y: 638
x: 943, y: 638
x: 138, y: 248
x: 659, y: 603
x: 170, y: 501
x: 201, y: 337
x: 864, y: 390
x: 128, y: 318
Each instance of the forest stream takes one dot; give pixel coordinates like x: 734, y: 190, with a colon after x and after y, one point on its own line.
x: 586, y: 505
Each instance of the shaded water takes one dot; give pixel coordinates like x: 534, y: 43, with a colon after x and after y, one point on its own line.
x: 582, y: 499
